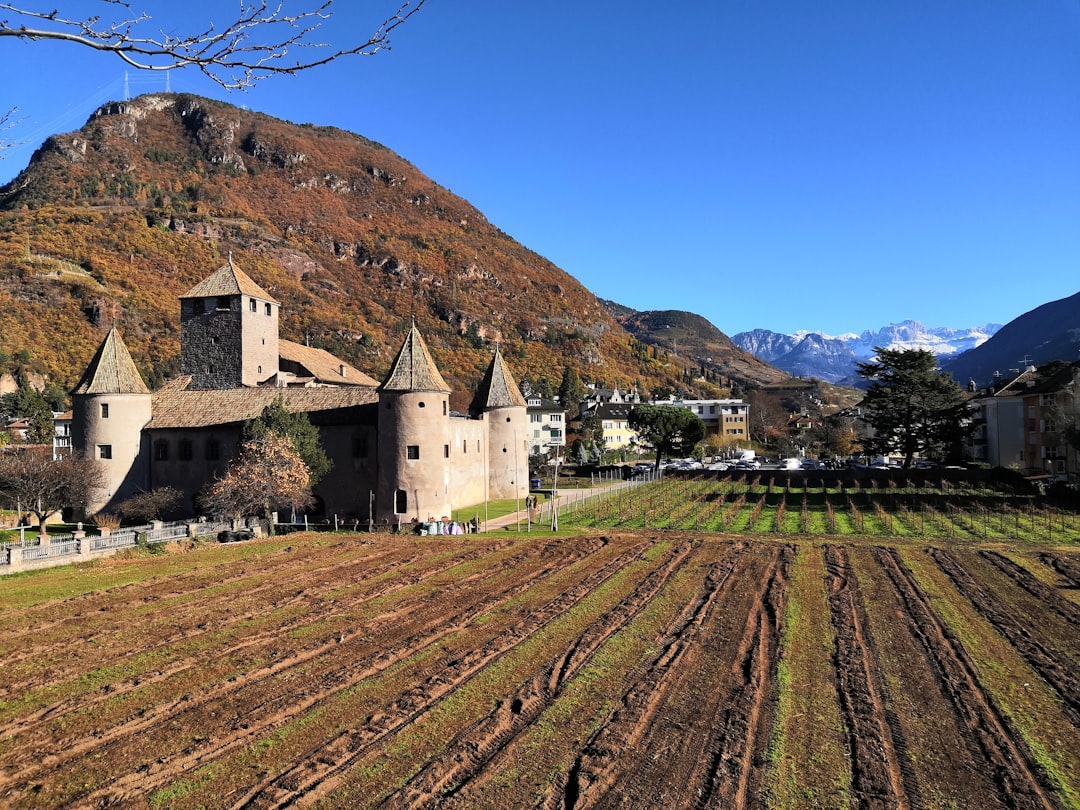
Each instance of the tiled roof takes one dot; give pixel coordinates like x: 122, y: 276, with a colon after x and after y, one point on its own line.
x: 112, y: 371
x: 322, y: 365
x: 175, y: 407
x: 228, y: 280
x: 413, y: 368
x: 497, y: 389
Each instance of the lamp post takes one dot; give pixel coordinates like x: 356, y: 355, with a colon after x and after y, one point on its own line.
x: 555, y: 494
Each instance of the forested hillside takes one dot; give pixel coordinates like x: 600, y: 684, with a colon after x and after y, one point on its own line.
x: 112, y: 222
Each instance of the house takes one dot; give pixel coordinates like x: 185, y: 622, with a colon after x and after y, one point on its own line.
x: 398, y: 452
x: 614, y: 419
x: 547, y: 424
x: 61, y: 434
x: 1014, y: 421
x: 727, y: 418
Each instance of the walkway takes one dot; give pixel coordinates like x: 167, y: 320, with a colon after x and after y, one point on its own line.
x: 565, y: 496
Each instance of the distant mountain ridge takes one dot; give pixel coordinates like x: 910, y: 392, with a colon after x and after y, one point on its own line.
x: 1048, y: 332
x: 697, y: 340
x: 834, y: 358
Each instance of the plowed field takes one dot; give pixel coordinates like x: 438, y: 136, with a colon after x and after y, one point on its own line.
x: 635, y: 670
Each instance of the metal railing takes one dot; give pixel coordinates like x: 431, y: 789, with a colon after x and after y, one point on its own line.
x: 68, y: 545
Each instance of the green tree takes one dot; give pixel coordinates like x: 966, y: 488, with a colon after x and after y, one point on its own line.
x: 30, y: 404
x: 571, y: 392
x: 667, y: 429
x: 912, y: 406
x: 276, y: 418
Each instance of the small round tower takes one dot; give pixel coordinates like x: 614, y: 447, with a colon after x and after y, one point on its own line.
x: 414, y: 438
x: 499, y: 403
x: 110, y: 406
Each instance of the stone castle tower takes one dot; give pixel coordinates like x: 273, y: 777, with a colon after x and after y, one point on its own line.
x: 229, y: 331
x: 110, y: 406
x: 500, y: 404
x: 414, y: 436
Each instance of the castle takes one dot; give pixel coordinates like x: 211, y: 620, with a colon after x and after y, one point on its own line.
x: 398, y: 452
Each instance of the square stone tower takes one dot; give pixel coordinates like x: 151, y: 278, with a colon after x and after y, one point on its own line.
x: 228, y: 331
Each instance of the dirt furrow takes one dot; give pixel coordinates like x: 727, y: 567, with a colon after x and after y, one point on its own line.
x: 1015, y: 774
x: 1053, y: 666
x: 316, y: 604
x: 317, y: 775
x: 94, y: 610
x: 1066, y: 565
x: 1048, y: 597
x: 659, y: 738
x: 313, y: 601
x: 466, y: 757
x: 399, y: 634
x: 734, y: 776
x: 256, y: 697
x: 162, y: 625
x: 594, y: 773
x: 874, y: 743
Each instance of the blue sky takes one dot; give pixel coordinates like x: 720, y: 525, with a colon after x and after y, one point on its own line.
x: 830, y: 166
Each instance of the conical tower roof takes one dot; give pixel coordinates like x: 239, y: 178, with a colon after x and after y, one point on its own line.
x: 413, y: 368
x: 228, y: 280
x: 112, y: 371
x: 497, y: 389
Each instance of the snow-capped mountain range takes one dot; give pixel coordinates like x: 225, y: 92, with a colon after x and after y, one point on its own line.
x: 833, y: 357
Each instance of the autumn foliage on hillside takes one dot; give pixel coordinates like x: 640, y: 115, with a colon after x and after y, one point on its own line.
x: 113, y: 222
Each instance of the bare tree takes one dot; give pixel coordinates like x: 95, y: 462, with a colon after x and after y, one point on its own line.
x: 31, y: 478
x: 268, y: 473
x: 7, y: 123
x: 263, y: 40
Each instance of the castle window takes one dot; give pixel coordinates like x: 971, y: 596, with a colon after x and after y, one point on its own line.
x: 161, y: 450
x: 259, y: 371
x: 401, y: 502
x: 444, y: 408
x: 465, y: 446
x: 446, y: 451
x: 104, y: 410
x: 421, y: 405
x: 253, y: 305
x: 412, y: 452
x: 268, y: 310
x: 206, y: 305
x: 184, y: 452
x: 223, y: 302
x: 104, y: 451
x: 359, y: 447
x: 213, y: 450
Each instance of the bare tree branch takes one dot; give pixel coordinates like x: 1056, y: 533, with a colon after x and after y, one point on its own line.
x: 7, y: 123
x: 257, y: 44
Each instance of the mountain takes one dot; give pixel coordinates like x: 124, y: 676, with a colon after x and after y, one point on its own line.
x: 111, y: 223
x: 1048, y: 332
x: 834, y: 359
x: 696, y: 340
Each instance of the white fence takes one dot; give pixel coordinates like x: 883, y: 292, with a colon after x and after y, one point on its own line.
x: 61, y: 549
